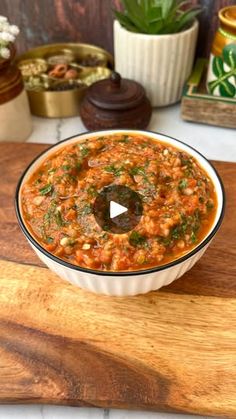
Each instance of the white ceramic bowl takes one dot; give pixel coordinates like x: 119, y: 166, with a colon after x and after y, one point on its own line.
x: 133, y: 282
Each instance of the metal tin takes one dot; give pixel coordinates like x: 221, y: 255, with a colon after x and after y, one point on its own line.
x: 61, y: 104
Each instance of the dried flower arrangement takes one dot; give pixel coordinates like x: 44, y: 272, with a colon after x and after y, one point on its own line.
x: 8, y: 35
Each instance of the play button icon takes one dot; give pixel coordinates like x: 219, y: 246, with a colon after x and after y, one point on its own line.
x: 117, y: 209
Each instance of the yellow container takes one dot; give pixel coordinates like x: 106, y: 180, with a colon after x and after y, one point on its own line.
x: 221, y: 76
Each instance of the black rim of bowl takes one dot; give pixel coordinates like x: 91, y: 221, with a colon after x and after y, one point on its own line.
x: 118, y: 273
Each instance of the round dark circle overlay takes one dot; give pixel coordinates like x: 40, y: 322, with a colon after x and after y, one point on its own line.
x: 121, y: 195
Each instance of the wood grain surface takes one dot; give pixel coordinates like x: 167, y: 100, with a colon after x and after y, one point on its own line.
x: 49, y: 21
x: 173, y: 350
x: 212, y: 112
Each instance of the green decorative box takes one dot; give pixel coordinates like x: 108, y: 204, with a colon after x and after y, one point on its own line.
x: 198, y: 105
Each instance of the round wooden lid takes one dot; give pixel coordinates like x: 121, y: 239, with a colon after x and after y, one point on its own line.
x: 116, y: 93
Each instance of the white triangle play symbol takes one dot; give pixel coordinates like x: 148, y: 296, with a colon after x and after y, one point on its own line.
x: 116, y: 209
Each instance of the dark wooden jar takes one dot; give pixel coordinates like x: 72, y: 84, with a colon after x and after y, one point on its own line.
x: 115, y: 103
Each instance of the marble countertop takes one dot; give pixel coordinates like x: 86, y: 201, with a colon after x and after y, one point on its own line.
x: 215, y: 143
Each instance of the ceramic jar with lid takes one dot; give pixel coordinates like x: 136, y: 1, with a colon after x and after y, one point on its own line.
x: 115, y: 103
x: 221, y: 76
x: 15, y: 118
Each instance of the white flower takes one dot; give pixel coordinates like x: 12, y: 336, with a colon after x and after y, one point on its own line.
x: 5, y: 53
x: 14, y: 30
x: 7, y: 33
x: 3, y: 19
x: 7, y: 37
x: 4, y: 27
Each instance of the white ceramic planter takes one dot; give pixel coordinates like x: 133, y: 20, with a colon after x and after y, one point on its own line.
x: 161, y: 63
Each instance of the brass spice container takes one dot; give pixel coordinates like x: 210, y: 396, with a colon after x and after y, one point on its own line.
x: 66, y: 103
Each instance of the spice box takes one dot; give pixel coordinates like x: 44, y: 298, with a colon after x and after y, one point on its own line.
x: 57, y: 76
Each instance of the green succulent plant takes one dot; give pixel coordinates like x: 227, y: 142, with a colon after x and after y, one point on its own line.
x: 156, y: 17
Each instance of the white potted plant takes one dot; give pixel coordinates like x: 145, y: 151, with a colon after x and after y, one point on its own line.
x: 154, y: 42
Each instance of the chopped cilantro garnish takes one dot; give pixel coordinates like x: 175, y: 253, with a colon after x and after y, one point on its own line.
x: 166, y: 241
x: 186, y: 162
x: 46, y: 189
x: 193, y: 221
x: 66, y: 167
x: 140, y: 171
x: 92, y: 191
x: 193, y: 237
x: 105, y: 236
x: 38, y: 181
x: 58, y: 218
x: 47, y: 219
x: 176, y: 232
x: 51, y: 171
x: 137, y: 171
x: 78, y: 165
x: 87, y: 209
x: 115, y: 170
x: 49, y: 239
x: 136, y: 239
x: 182, y: 184
x: 84, y: 151
x: 188, y: 173
x: 189, y: 224
x: 125, y: 139
x: 71, y: 178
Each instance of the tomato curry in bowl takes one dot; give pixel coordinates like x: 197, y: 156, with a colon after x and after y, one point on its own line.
x: 182, y: 200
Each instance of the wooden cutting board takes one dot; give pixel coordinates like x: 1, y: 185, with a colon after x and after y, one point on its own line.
x: 172, y: 350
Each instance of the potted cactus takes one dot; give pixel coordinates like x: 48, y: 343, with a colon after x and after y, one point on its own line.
x: 154, y: 42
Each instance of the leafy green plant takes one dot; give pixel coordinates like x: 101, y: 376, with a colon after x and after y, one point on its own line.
x: 156, y: 16
x: 226, y: 87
